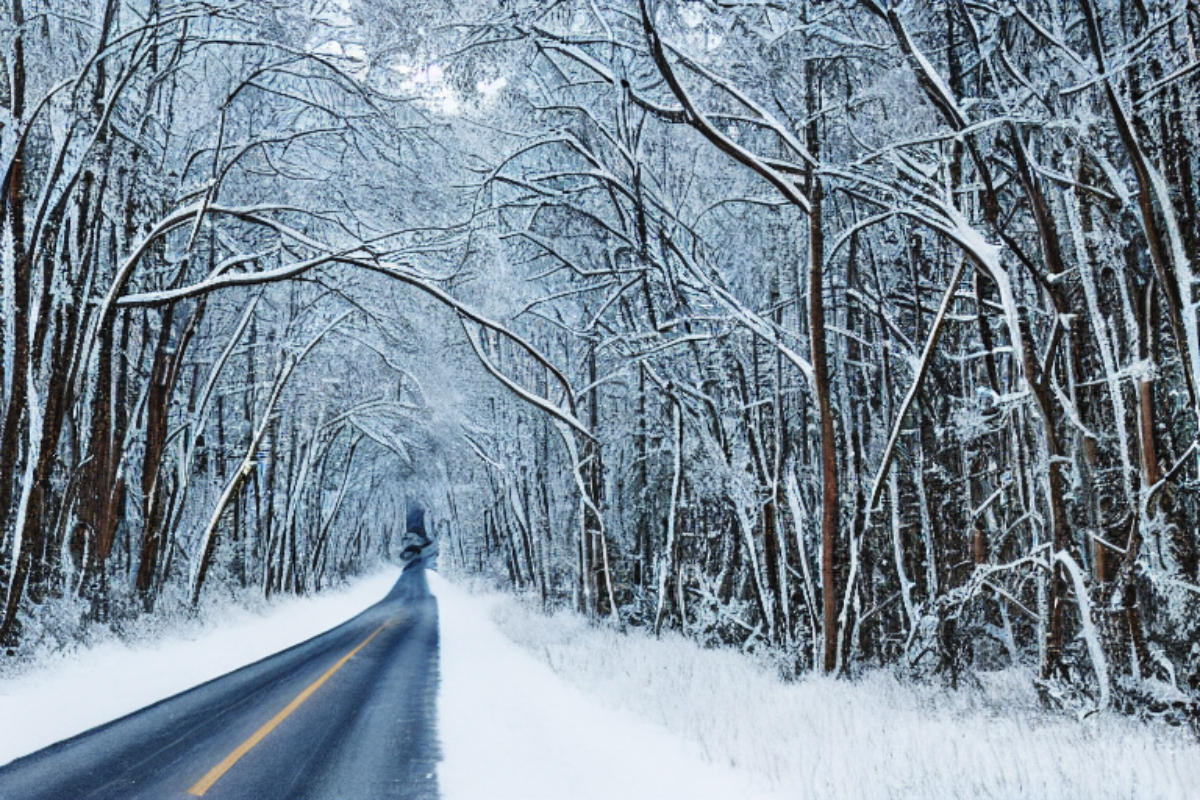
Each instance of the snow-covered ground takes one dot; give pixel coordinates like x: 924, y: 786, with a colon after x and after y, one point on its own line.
x: 550, y: 707
x: 876, y: 737
x: 513, y: 728
x: 510, y: 727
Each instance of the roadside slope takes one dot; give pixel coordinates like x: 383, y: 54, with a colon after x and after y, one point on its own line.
x: 872, y: 738
x: 513, y: 728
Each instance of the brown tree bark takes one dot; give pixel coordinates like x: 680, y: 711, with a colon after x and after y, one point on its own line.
x: 164, y: 374
x: 829, y: 468
x: 12, y: 192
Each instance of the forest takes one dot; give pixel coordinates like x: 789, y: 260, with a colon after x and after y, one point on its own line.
x: 861, y: 333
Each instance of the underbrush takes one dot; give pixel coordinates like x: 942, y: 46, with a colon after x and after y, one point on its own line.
x: 59, y: 626
x: 877, y: 736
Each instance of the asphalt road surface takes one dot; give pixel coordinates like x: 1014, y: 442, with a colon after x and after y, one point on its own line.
x: 348, y: 714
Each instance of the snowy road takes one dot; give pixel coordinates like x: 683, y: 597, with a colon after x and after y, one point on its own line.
x: 349, y: 713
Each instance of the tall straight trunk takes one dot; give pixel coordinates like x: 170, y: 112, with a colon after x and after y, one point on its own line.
x: 642, y: 548
x: 669, y: 582
x: 98, y: 511
x: 292, y: 457
x: 774, y: 545
x: 751, y: 420
x: 1040, y: 377
x: 829, y: 468
x: 598, y: 581
x: 512, y: 558
x: 16, y: 334
x: 1079, y: 215
x: 525, y: 515
x: 1146, y: 405
x: 28, y: 555
x: 830, y: 500
x: 543, y: 491
x: 157, y: 415
x: 267, y: 521
x: 899, y: 553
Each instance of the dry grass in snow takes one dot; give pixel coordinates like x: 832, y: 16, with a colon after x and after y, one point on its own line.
x: 875, y: 737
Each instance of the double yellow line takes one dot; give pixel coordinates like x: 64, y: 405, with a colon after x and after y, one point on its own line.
x: 214, y: 774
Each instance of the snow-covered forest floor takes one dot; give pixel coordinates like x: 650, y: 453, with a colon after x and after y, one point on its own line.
x: 874, y: 737
x: 538, y: 706
x: 509, y: 727
x: 513, y: 729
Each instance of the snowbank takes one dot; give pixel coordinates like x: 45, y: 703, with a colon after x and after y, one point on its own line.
x: 68, y: 693
x: 872, y: 738
x: 512, y: 728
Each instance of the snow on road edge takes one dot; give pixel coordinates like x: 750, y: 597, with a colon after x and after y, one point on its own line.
x: 513, y: 728
x: 68, y: 693
x: 509, y: 726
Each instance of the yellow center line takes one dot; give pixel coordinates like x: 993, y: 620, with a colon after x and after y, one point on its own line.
x: 214, y: 774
